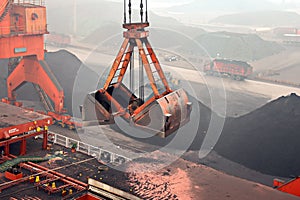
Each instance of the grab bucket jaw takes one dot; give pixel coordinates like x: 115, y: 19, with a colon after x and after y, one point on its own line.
x: 161, y: 117
x: 165, y: 115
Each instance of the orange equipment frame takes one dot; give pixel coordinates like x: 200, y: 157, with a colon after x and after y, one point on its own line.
x: 161, y: 114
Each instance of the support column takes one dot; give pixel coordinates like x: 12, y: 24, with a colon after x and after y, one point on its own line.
x: 23, y: 147
x: 45, y: 139
x: 6, y: 149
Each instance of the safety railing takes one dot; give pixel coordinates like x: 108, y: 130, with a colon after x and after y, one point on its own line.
x: 96, y: 152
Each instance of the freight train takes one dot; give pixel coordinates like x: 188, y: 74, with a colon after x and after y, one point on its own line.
x: 237, y: 70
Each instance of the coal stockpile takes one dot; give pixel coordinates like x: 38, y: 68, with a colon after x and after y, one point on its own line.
x: 66, y: 66
x: 245, y: 47
x: 3, y: 75
x: 25, y: 92
x: 267, y: 139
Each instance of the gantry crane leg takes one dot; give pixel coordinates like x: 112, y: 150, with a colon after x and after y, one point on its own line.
x: 31, y: 70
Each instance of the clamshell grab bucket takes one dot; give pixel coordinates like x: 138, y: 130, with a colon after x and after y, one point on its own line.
x: 161, y: 117
x: 161, y: 114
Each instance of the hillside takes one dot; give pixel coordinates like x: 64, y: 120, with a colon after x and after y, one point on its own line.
x: 284, y: 67
x: 97, y: 23
x: 245, y: 47
x: 98, y: 20
x: 225, y: 5
x: 260, y: 18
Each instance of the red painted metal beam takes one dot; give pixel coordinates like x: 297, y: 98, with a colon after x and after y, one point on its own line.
x: 23, y: 138
x: 23, y: 147
x: 116, y: 64
x: 43, y: 171
x: 31, y: 70
x: 63, y: 177
x: 20, y: 138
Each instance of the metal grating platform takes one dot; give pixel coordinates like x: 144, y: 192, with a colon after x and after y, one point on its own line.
x: 15, y: 120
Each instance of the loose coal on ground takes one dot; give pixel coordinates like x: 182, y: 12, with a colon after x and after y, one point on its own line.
x: 267, y: 139
x: 186, y: 180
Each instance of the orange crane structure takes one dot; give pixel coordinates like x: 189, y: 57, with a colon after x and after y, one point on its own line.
x: 22, y: 27
x: 163, y: 112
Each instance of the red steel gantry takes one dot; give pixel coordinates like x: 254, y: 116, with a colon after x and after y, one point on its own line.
x: 22, y: 28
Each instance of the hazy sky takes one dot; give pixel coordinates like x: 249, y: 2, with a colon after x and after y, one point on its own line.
x: 209, y: 9
x: 168, y: 3
x: 160, y: 3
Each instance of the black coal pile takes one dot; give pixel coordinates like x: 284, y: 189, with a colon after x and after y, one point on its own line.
x: 66, y: 67
x: 3, y: 75
x: 26, y: 92
x: 267, y: 139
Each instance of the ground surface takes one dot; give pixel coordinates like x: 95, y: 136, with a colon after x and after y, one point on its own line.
x: 180, y: 180
x: 187, y: 180
x: 239, y: 98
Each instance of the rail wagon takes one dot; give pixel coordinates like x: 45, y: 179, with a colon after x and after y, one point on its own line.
x: 237, y: 70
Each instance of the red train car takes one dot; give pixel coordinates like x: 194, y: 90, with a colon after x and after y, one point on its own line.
x: 237, y: 70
